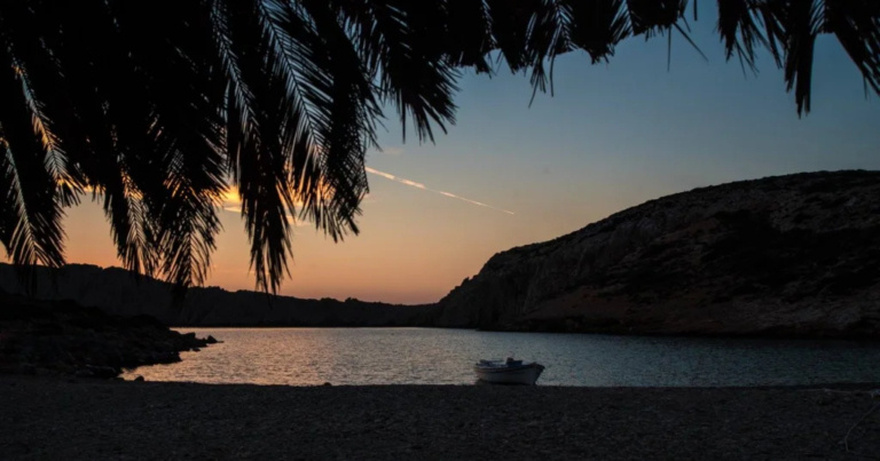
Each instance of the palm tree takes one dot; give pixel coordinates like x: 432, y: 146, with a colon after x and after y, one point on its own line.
x: 156, y: 108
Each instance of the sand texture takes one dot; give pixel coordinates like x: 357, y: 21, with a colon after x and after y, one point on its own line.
x: 52, y: 418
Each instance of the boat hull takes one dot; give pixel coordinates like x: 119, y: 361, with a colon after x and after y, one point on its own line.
x: 524, y: 374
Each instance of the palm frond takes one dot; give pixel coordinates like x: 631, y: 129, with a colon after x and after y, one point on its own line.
x: 597, y: 26
x: 856, y: 24
x: 156, y: 108
x: 257, y: 114
x: 92, y: 58
x: 33, y: 234
x: 469, y: 34
x: 403, y: 45
x: 351, y: 128
x: 180, y: 169
x: 649, y: 17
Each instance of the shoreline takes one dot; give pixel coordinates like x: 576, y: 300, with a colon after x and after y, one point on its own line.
x: 64, y: 338
x: 86, y: 419
x: 868, y: 339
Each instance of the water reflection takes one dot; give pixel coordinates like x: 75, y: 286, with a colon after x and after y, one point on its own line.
x: 365, y: 356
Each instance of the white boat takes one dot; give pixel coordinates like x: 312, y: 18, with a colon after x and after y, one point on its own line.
x: 508, y: 371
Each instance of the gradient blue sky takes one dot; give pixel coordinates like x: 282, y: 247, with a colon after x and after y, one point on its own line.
x: 613, y: 136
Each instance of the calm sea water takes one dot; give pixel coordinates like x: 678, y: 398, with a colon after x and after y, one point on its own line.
x: 361, y: 356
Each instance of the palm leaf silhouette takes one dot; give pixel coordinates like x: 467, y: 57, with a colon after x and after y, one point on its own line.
x: 158, y: 108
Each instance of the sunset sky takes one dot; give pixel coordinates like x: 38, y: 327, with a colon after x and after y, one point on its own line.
x: 613, y: 136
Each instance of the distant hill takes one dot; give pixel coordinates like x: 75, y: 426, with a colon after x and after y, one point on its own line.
x: 120, y: 292
x: 795, y: 255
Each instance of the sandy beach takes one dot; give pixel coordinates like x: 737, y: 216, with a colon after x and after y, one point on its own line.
x: 57, y: 418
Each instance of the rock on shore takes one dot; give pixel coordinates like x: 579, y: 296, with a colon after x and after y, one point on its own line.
x: 63, y: 338
x: 795, y: 255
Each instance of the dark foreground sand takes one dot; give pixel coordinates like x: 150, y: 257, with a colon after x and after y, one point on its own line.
x: 42, y: 418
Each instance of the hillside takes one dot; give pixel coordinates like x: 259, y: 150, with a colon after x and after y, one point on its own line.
x: 119, y: 292
x: 795, y: 255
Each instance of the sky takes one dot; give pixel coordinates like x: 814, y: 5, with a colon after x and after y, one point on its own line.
x: 610, y: 137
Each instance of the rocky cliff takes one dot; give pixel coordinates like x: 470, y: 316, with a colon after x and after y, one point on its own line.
x: 120, y: 292
x: 795, y: 255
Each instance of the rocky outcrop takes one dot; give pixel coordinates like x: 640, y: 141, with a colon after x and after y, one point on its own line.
x: 795, y: 255
x: 61, y: 337
x: 120, y: 292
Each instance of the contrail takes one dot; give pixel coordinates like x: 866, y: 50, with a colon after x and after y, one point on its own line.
x: 421, y: 186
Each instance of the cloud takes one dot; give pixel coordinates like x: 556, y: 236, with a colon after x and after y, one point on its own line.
x: 413, y: 183
x: 421, y: 186
x: 232, y: 203
x: 380, y: 173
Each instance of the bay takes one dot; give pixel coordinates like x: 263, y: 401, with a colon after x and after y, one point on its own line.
x: 382, y: 356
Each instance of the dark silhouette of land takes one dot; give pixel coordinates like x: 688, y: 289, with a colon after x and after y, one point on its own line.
x: 64, y: 338
x: 786, y: 256
x: 793, y: 256
x: 120, y: 292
